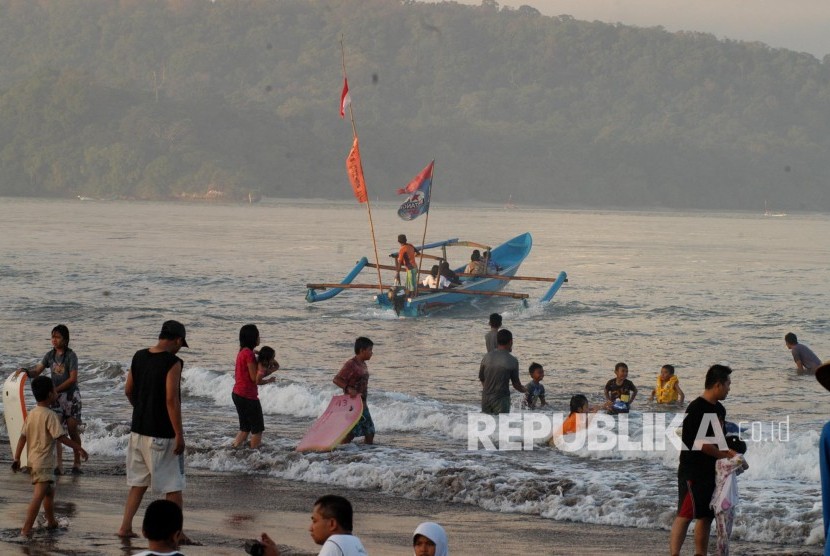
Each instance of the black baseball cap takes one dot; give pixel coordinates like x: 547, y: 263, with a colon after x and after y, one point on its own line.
x: 173, y: 329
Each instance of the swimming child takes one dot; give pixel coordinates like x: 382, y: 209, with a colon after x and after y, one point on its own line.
x: 535, y: 390
x: 579, y: 405
x: 725, y: 497
x: 619, y: 390
x: 247, y: 377
x: 668, y: 387
x: 577, y: 419
x: 41, y: 430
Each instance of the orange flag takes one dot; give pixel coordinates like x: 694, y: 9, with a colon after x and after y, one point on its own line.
x: 355, y: 169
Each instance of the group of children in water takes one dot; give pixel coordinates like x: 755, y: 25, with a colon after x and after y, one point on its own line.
x: 619, y: 394
x: 619, y: 391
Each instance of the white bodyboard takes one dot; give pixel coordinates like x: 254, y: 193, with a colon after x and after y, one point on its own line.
x: 14, y: 409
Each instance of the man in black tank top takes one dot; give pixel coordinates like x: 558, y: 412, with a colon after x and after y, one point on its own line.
x: 155, y: 455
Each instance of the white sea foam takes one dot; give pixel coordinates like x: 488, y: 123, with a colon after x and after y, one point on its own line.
x: 718, y: 294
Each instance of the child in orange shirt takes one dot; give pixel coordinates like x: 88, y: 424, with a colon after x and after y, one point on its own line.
x: 579, y: 405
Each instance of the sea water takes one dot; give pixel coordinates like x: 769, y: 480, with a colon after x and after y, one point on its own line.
x: 690, y: 289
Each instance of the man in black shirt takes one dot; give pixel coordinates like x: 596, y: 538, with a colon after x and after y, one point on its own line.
x: 704, y: 443
x: 155, y: 454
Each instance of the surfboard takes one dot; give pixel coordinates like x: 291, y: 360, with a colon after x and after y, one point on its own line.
x: 330, y: 428
x: 14, y: 409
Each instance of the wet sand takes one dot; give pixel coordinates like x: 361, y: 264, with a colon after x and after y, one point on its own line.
x: 222, y: 511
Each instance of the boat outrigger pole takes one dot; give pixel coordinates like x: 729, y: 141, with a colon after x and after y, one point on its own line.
x: 354, y: 148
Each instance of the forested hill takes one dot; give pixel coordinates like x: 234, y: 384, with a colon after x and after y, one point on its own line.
x: 151, y: 99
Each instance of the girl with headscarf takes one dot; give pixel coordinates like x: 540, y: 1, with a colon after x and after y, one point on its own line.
x: 430, y: 539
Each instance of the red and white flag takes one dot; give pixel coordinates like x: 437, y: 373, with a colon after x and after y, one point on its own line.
x: 345, y: 98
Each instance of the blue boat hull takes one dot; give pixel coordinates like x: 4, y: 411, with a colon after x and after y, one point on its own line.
x: 508, y: 257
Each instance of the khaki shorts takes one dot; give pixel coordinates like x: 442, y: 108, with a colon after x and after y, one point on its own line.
x: 152, y: 463
x: 42, y: 475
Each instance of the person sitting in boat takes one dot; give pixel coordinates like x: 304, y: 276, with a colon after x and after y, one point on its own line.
x: 406, y: 260
x: 434, y: 281
x: 476, y: 265
x: 447, y: 273
x: 490, y: 265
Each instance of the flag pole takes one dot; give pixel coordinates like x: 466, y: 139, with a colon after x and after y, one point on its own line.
x: 426, y: 223
x: 368, y: 203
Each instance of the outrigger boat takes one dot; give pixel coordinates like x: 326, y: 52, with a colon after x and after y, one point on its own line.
x: 504, y: 262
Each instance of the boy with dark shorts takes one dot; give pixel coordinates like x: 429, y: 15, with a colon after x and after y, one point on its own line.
x: 40, y: 431
x: 704, y: 443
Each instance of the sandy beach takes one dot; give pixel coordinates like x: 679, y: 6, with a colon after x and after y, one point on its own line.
x: 222, y: 511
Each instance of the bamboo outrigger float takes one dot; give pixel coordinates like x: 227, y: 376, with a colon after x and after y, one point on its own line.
x: 504, y: 262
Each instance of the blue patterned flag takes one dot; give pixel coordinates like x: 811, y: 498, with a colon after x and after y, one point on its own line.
x: 419, y: 191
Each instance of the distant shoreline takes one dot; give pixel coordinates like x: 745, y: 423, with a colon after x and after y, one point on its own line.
x: 454, y: 205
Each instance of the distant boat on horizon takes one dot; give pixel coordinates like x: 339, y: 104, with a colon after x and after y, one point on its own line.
x: 768, y: 212
x: 509, y: 204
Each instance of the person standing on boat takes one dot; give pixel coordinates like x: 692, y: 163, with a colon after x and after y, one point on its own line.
x: 406, y: 260
x: 498, y: 370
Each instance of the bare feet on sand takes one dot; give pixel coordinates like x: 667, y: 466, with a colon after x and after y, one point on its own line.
x: 127, y: 534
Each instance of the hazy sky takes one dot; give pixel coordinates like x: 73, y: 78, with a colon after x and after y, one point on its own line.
x: 800, y: 25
